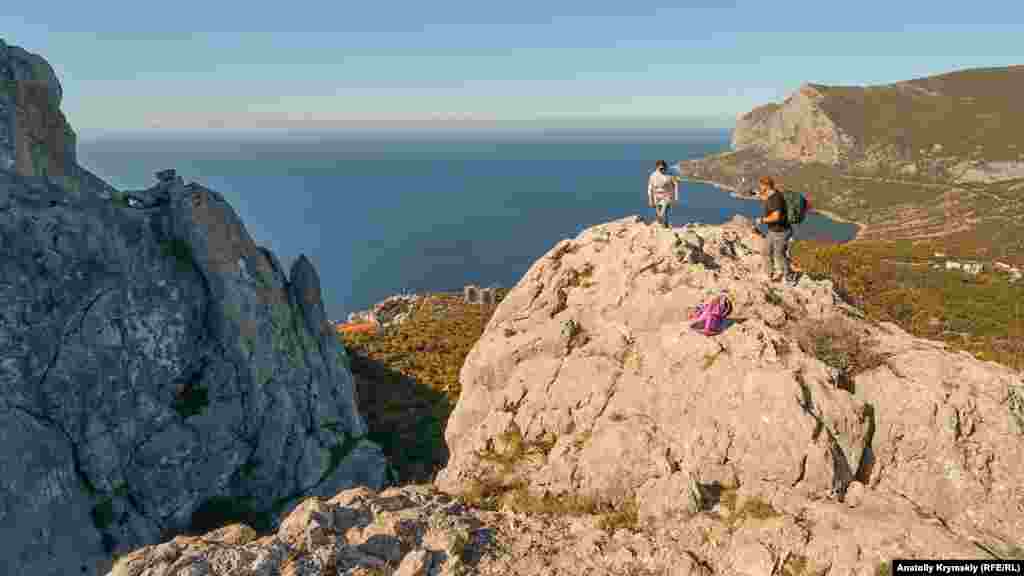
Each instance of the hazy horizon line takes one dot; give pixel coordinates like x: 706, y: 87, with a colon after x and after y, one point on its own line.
x: 432, y: 128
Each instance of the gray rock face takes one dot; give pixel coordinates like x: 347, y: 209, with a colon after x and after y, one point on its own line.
x: 35, y: 139
x: 154, y: 363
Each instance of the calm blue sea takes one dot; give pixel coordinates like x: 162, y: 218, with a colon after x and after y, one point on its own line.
x: 382, y: 214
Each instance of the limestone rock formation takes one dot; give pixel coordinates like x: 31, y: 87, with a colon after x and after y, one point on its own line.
x: 798, y: 129
x: 35, y: 139
x: 590, y: 382
x: 156, y: 365
x: 409, y: 531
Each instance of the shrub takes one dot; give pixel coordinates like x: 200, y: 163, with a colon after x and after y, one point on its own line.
x: 839, y: 344
x: 180, y: 250
x: 103, y: 514
x: 190, y: 400
x: 119, y: 199
x: 219, y: 511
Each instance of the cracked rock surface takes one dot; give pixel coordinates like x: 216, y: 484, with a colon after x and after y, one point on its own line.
x: 410, y: 531
x: 923, y: 458
x: 153, y: 359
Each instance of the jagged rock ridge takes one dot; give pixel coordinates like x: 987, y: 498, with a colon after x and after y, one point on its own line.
x: 156, y: 365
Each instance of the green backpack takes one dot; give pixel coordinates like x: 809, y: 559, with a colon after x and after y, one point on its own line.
x: 796, y: 206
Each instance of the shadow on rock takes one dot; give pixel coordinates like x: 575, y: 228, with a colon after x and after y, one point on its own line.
x: 405, y: 418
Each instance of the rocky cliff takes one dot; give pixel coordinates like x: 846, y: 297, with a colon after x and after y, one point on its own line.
x: 35, y: 139
x: 961, y: 126
x: 798, y: 129
x: 159, y: 371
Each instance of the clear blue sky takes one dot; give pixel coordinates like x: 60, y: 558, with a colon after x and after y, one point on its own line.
x: 221, y: 63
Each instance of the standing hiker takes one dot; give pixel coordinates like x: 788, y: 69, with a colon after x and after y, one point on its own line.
x: 662, y: 191
x: 779, y: 233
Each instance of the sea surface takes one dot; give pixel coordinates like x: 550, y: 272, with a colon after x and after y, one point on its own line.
x: 385, y: 214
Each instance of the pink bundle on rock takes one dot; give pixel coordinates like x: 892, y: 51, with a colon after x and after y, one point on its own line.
x: 712, y: 314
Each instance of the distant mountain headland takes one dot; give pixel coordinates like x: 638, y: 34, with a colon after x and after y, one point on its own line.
x: 934, y: 157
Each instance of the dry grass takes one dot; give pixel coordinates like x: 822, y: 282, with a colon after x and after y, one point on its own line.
x: 841, y: 345
x: 796, y: 565
x: 968, y: 113
x: 500, y: 487
x: 751, y: 508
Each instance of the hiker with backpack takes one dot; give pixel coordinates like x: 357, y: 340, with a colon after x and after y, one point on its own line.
x: 662, y: 191
x: 780, y: 213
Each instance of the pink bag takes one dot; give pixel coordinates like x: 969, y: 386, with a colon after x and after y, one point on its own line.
x: 712, y: 314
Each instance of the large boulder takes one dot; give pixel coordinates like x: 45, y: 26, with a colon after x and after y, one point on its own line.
x: 589, y: 381
x: 158, y: 369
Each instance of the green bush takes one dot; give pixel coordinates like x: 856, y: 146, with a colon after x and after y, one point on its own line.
x: 191, y: 400
x: 119, y: 199
x: 180, y: 250
x: 103, y: 514
x: 219, y: 511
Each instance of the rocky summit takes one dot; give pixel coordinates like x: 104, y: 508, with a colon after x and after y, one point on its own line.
x: 158, y: 369
x: 801, y: 430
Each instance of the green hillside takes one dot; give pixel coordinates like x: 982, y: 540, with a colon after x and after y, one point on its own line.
x: 969, y: 114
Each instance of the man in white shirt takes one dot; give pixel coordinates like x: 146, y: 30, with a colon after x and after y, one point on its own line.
x: 662, y: 191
